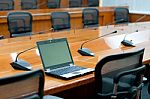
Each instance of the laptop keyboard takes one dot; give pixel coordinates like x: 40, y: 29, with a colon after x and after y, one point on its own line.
x: 69, y: 69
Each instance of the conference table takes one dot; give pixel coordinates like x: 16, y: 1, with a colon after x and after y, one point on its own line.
x: 80, y: 87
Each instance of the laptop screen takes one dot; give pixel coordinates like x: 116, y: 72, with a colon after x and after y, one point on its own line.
x: 54, y: 53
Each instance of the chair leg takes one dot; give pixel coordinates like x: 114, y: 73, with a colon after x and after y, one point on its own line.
x: 138, y: 95
x: 149, y: 88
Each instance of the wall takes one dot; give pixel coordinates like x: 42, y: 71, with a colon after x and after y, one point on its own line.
x: 134, y: 5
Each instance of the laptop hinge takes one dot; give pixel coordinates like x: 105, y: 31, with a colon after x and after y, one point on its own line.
x: 71, y: 65
x: 47, y: 70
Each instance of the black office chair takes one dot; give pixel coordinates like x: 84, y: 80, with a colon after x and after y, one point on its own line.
x: 75, y: 3
x: 29, y: 4
x: 29, y: 85
x: 60, y: 21
x: 93, y: 3
x: 19, y: 23
x: 53, y: 3
x: 121, y: 15
x: 120, y: 76
x: 90, y: 17
x: 6, y: 5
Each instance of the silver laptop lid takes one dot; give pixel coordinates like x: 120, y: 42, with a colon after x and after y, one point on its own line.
x: 55, y: 53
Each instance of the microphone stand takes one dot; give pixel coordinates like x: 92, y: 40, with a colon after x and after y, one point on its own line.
x: 117, y: 21
x: 21, y: 64
x: 127, y: 42
x: 130, y: 43
x: 41, y: 32
x: 86, y: 51
x: 139, y: 19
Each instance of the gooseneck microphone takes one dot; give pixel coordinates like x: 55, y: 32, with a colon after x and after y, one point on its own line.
x: 21, y: 64
x: 127, y: 42
x: 41, y: 32
x: 117, y: 21
x: 139, y: 19
x: 86, y: 51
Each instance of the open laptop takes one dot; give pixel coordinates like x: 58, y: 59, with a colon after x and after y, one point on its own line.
x: 57, y: 59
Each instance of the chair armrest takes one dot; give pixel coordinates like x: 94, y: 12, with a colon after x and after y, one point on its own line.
x: 108, y: 95
x: 111, y: 95
x: 114, y: 94
x: 133, y: 89
x: 136, y: 70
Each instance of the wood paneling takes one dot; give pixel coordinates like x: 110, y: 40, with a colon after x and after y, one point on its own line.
x: 139, y: 17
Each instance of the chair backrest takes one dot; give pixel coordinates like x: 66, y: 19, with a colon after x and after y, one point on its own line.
x: 19, y: 23
x: 29, y: 4
x: 121, y: 14
x: 111, y: 65
x: 60, y: 20
x: 92, y: 3
x: 75, y: 3
x: 6, y: 5
x: 90, y: 17
x: 29, y: 85
x: 53, y: 3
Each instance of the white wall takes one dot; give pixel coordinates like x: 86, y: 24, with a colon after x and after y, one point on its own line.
x: 136, y: 5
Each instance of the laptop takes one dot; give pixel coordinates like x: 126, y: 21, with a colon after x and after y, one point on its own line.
x: 57, y: 59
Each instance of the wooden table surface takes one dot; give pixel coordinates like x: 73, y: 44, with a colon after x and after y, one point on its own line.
x: 101, y: 47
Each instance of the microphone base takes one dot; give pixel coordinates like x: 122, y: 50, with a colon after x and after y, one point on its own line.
x: 85, y: 52
x: 127, y: 43
x: 21, y: 65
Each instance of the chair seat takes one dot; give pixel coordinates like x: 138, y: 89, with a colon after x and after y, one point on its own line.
x: 108, y: 86
x: 124, y: 84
